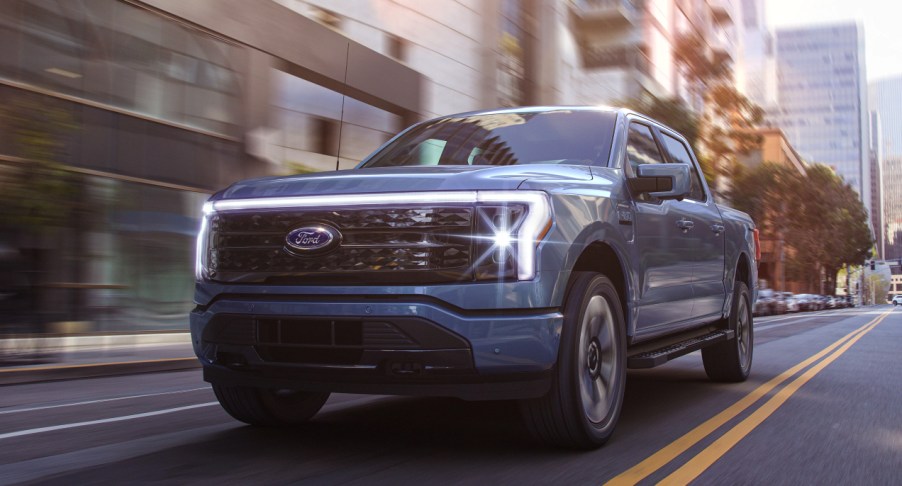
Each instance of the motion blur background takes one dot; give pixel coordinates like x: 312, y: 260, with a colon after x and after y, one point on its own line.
x: 119, y: 118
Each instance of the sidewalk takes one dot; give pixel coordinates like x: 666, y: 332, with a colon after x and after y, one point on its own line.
x: 35, y: 359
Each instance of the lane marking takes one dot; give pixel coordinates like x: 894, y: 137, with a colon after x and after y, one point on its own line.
x: 775, y: 326
x: 89, y: 402
x: 671, y: 451
x: 704, y: 459
x: 39, y: 430
x: 803, y: 314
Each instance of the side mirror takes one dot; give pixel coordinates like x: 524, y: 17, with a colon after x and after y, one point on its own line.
x: 663, y: 181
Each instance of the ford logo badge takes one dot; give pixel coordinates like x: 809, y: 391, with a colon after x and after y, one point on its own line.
x: 309, y: 239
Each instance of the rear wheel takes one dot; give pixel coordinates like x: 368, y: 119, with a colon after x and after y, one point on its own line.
x: 583, y: 405
x: 268, y: 407
x: 731, y: 361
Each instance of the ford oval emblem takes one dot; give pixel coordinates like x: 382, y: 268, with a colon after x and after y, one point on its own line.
x: 309, y: 239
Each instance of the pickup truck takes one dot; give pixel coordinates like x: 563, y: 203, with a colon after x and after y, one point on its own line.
x: 530, y: 253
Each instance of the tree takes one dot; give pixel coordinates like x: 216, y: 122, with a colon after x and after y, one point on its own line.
x: 727, y: 116
x: 34, y: 189
x: 41, y: 198
x: 818, y: 215
x: 765, y: 193
x: 852, y: 240
x: 672, y: 112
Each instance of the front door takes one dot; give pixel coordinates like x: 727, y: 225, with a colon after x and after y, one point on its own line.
x: 706, y: 236
x: 664, y: 250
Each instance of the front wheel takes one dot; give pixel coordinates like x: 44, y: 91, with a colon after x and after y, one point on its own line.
x: 731, y: 361
x: 583, y: 405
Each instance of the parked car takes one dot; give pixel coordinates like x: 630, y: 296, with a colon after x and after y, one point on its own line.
x: 766, y: 304
x: 780, y: 305
x: 792, y: 303
x: 897, y: 300
x: 807, y: 302
x: 525, y: 253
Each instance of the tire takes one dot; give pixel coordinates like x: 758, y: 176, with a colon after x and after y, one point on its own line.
x: 582, y: 407
x: 731, y: 361
x: 269, y: 408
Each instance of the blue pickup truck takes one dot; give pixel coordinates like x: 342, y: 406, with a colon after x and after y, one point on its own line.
x: 529, y: 253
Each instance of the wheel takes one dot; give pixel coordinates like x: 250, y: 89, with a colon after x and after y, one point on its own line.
x: 731, y: 361
x: 582, y: 407
x: 266, y: 407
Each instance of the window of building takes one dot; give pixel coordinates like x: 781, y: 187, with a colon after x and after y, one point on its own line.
x: 127, y: 57
x: 397, y: 47
x: 513, y: 54
x: 326, y: 17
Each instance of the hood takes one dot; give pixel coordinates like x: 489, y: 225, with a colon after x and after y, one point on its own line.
x: 404, y: 179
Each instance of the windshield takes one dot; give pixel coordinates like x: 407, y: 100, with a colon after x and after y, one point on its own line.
x: 552, y: 137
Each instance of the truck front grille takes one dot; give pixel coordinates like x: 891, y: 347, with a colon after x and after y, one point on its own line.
x: 414, y: 245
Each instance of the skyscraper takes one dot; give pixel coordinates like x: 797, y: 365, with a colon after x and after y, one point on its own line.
x: 821, y: 99
x: 885, y: 97
x: 753, y: 44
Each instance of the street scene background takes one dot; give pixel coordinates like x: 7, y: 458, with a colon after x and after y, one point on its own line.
x: 119, y: 118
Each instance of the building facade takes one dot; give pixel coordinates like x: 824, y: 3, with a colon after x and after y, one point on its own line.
x: 875, y: 159
x: 885, y: 98
x: 120, y: 118
x: 895, y: 287
x: 775, y: 148
x: 130, y: 113
x: 821, y: 99
x: 615, y: 50
x: 754, y: 60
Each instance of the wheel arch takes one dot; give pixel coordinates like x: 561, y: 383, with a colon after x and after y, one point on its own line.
x: 742, y: 272
x: 602, y: 257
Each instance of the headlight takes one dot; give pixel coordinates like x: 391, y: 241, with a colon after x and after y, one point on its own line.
x: 203, y: 244
x: 509, y: 228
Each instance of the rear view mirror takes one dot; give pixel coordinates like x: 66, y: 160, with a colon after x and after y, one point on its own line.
x: 663, y: 181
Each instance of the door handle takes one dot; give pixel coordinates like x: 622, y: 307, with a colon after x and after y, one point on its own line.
x: 717, y: 228
x: 685, y: 225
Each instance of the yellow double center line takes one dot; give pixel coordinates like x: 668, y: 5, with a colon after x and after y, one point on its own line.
x: 698, y: 464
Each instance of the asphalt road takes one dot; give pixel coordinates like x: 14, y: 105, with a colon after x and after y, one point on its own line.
x: 823, y: 406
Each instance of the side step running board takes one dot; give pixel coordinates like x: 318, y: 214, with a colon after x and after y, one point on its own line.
x: 657, y: 357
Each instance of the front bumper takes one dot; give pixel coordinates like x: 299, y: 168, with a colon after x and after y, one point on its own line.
x: 373, y: 344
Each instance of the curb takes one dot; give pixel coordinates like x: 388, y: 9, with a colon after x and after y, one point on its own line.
x: 94, y: 341
x: 38, y: 374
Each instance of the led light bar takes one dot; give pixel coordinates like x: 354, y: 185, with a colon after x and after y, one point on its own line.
x: 336, y: 200
x: 533, y: 229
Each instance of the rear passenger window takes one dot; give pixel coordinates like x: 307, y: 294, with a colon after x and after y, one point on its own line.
x: 680, y: 153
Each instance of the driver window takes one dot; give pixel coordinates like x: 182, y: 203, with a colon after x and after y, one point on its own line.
x: 679, y: 153
x: 641, y: 148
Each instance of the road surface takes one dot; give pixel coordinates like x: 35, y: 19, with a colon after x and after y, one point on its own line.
x: 823, y: 405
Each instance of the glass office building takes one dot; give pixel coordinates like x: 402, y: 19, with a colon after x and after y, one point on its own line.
x: 885, y: 98
x: 821, y: 98
x: 118, y: 119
